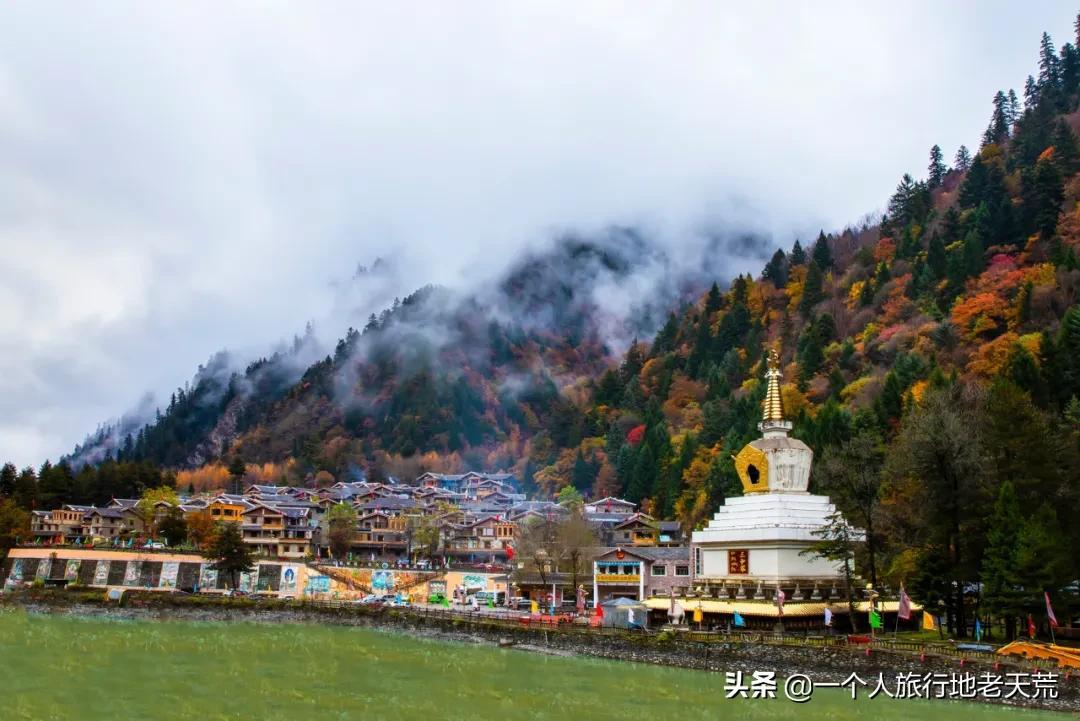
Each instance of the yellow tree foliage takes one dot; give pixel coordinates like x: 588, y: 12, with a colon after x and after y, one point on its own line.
x: 211, y: 477
x: 989, y: 358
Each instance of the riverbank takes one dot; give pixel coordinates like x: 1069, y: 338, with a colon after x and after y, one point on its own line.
x: 823, y: 664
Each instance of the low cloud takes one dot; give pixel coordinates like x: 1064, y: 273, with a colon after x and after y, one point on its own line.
x: 179, y: 179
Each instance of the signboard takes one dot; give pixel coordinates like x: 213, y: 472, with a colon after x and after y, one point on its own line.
x: 101, y: 573
x: 44, y: 566
x: 622, y: 579
x: 169, y: 571
x: 738, y: 561
x: 17, y: 570
x: 437, y: 587
x: 473, y: 581
x: 71, y: 570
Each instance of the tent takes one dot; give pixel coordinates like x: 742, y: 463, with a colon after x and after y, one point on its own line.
x: 625, y: 613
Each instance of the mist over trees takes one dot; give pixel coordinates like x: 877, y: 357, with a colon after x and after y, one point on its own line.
x: 931, y: 360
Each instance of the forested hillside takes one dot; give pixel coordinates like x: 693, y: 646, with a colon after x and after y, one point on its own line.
x: 932, y: 361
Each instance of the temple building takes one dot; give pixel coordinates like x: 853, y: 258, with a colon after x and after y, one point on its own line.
x: 757, y: 544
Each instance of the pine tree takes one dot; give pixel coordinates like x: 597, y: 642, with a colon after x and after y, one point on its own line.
x: 936, y: 170
x: 776, y: 270
x: 230, y: 554
x: 1049, y: 77
x: 935, y: 257
x: 962, y: 161
x: 1066, y: 153
x: 1041, y: 197
x: 999, y: 120
x: 1000, y: 593
x: 1013, y: 108
x: 813, y: 292
x: 1031, y: 94
x: 973, y: 259
x: 890, y: 404
x: 665, y: 339
x: 821, y: 253
x: 798, y: 255
x: 8, y: 475
x: 713, y: 300
x: 1066, y: 351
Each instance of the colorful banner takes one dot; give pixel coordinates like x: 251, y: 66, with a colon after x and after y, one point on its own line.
x: 169, y: 571
x: 131, y: 573
x: 71, y: 571
x: 44, y: 566
x: 17, y: 570
x: 288, y: 579
x: 101, y: 574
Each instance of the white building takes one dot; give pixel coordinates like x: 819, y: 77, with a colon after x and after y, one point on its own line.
x: 756, y: 543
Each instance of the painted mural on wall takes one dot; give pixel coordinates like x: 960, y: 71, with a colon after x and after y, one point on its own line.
x: 318, y: 584
x: 169, y: 571
x: 207, y: 576
x: 248, y: 579
x: 44, y: 566
x: 472, y: 581
x: 382, y: 581
x: 71, y: 570
x: 132, y: 572
x: 288, y: 579
x: 101, y: 573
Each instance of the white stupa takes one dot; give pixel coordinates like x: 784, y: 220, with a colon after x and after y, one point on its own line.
x: 757, y: 540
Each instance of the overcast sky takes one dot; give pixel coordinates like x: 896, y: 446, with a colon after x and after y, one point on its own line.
x: 176, y: 178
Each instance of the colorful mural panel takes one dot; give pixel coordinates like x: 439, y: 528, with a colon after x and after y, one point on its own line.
x: 169, y: 571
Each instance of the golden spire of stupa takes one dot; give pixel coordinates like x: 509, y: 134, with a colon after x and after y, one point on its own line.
x: 773, y: 406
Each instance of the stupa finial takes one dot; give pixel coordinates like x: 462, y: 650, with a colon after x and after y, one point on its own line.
x: 773, y: 406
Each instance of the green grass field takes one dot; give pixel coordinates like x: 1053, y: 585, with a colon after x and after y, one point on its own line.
x: 78, y: 669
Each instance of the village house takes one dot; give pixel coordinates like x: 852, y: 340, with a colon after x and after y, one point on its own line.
x: 638, y: 573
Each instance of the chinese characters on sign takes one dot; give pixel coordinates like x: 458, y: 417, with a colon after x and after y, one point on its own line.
x: 738, y: 561
x: 800, y: 687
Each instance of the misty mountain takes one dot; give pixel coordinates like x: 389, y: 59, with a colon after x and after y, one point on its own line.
x: 476, y: 372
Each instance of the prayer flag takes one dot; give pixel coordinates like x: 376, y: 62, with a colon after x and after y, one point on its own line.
x: 828, y: 617
x: 780, y: 600
x: 1050, y: 611
x: 875, y: 619
x: 698, y: 614
x: 738, y: 620
x: 904, y: 611
x: 978, y: 630
x: 1031, y: 627
x: 928, y: 621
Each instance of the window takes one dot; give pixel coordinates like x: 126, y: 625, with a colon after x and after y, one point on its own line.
x: 659, y: 570
x: 683, y: 570
x: 697, y: 561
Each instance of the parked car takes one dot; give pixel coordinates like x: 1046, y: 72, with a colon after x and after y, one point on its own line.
x: 154, y: 545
